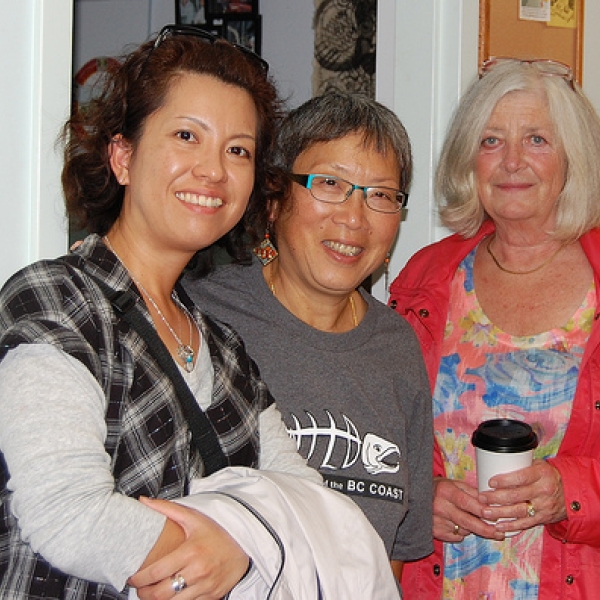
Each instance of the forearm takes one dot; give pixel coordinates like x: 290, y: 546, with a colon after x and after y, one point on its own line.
x: 171, y: 537
x: 52, y: 434
x: 277, y: 449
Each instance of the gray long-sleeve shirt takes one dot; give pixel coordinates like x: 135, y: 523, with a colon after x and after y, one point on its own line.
x: 52, y: 434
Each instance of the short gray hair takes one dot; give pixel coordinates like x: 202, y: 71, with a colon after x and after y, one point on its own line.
x: 335, y: 115
x: 577, y: 127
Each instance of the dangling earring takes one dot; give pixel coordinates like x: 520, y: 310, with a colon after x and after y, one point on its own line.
x: 386, y: 273
x: 266, y: 252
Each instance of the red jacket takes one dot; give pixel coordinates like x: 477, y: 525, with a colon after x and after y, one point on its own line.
x: 571, y: 550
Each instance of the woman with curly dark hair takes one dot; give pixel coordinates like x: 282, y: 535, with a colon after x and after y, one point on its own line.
x: 101, y: 349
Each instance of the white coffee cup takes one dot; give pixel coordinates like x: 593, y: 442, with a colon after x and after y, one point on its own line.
x: 502, y: 446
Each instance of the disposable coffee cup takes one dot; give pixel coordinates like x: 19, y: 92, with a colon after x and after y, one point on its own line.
x: 502, y: 446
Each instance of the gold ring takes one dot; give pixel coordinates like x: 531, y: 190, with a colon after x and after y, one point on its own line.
x: 456, y: 528
x: 530, y: 509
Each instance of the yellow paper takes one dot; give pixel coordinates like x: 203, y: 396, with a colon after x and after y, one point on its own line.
x: 563, y: 13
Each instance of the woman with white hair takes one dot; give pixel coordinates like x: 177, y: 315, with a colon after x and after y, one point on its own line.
x: 506, y: 313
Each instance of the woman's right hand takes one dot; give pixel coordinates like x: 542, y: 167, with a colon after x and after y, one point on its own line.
x: 209, y: 560
x: 457, y: 512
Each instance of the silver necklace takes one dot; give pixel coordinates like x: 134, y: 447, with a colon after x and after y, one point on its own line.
x: 184, y: 351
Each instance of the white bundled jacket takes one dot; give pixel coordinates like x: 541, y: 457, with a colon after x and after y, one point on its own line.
x: 306, y: 542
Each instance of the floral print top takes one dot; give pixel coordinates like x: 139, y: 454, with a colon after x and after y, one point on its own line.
x: 486, y: 373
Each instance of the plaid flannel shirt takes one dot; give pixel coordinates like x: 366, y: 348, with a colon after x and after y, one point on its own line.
x: 58, y: 302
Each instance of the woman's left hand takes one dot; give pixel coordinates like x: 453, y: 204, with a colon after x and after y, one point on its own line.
x: 531, y: 496
x: 210, y: 561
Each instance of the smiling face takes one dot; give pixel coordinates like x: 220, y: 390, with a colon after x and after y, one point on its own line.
x: 188, y: 179
x: 332, y: 248
x: 521, y: 166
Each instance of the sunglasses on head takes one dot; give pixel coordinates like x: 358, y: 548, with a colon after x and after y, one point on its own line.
x: 189, y: 30
x: 544, y: 66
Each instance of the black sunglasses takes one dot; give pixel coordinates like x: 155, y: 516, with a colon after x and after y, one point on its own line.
x: 172, y: 30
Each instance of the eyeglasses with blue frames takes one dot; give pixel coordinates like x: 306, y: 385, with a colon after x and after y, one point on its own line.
x: 335, y: 190
x: 207, y: 36
x: 544, y: 66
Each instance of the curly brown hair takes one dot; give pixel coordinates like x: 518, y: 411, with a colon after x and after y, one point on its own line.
x: 136, y: 90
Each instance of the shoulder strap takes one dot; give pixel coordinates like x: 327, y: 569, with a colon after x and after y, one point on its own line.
x: 124, y: 304
x: 203, y: 434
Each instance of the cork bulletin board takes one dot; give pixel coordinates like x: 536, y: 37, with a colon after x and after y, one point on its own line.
x: 504, y: 32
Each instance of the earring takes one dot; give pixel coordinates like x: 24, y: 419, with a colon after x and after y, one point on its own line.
x: 386, y: 273
x: 266, y: 252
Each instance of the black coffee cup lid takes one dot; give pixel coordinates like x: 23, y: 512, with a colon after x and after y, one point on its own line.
x: 504, y: 435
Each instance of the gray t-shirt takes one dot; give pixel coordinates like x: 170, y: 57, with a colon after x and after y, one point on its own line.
x: 358, y: 403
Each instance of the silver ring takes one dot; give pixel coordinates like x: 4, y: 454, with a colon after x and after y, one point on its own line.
x: 530, y: 509
x: 178, y: 583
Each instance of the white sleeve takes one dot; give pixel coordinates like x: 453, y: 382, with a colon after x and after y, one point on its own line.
x: 52, y: 434
x: 278, y: 450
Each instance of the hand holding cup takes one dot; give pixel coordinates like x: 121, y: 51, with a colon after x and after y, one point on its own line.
x: 502, y: 446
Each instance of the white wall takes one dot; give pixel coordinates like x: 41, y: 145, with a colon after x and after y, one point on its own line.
x: 591, y: 51
x: 288, y: 46
x: 108, y: 27
x: 426, y: 53
x: 35, y: 68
